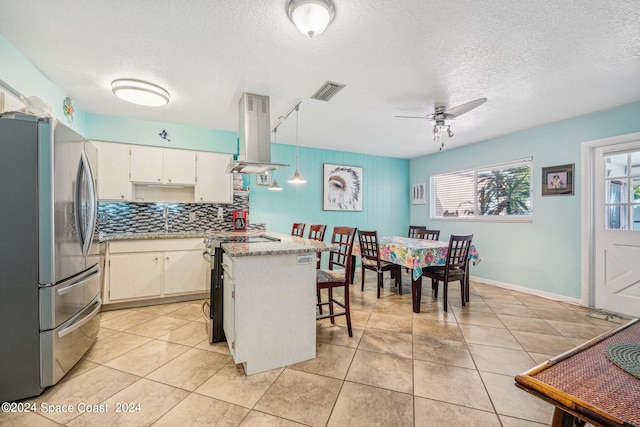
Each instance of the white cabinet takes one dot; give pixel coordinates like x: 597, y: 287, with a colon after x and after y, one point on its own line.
x: 213, y: 183
x: 135, y: 275
x: 153, y: 165
x: 112, y: 171
x: 269, y: 312
x: 139, y: 270
x: 184, y: 271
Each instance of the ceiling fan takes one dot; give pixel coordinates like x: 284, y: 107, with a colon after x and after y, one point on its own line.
x: 443, y: 116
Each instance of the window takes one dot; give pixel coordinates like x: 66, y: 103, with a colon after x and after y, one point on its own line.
x: 498, y: 192
x: 622, y: 186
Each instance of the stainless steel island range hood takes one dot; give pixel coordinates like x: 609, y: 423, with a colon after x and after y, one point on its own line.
x: 254, y: 156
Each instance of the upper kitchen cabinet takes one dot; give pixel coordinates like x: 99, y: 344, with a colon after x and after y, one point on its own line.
x: 153, y: 165
x: 213, y: 184
x: 112, y: 171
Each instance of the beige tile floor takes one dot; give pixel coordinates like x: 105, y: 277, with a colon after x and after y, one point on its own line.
x: 399, y: 369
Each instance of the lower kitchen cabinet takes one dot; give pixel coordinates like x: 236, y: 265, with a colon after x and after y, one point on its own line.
x: 140, y: 270
x: 135, y: 275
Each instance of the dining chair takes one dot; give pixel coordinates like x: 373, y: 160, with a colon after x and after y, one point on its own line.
x: 412, y: 230
x: 338, y: 275
x: 423, y: 233
x: 454, y: 270
x: 316, y: 232
x: 298, y: 229
x: 370, y: 260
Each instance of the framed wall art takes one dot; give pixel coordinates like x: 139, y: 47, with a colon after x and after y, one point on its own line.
x: 342, y: 188
x: 557, y: 180
x: 263, y: 179
x: 419, y: 194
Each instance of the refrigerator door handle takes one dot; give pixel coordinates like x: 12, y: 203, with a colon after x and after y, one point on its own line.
x: 85, y: 318
x: 85, y: 230
x: 66, y: 289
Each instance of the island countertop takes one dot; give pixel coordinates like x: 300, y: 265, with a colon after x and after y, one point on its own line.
x: 287, y: 245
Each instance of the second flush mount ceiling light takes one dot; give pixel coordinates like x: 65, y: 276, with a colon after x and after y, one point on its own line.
x: 311, y: 17
x: 140, y: 92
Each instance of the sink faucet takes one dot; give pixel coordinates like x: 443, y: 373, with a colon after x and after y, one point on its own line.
x: 165, y: 216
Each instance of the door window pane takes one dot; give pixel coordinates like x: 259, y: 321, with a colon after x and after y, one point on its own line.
x: 616, y: 217
x: 622, y: 191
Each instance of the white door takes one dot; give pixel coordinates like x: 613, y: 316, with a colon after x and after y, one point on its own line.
x: 184, y: 272
x: 616, y: 214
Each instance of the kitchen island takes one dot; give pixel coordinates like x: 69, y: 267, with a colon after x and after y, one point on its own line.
x: 270, y: 301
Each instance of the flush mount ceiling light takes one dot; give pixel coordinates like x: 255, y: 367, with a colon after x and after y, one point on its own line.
x: 140, y: 92
x: 311, y: 17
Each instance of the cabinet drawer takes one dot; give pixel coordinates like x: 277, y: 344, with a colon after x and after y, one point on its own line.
x: 156, y: 245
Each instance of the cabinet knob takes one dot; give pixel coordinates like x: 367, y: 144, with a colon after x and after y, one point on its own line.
x: 122, y: 196
x: 167, y: 258
x: 159, y: 179
x: 169, y: 179
x: 155, y: 259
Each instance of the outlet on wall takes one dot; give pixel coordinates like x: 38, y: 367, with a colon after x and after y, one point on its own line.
x: 192, y: 216
x: 220, y: 213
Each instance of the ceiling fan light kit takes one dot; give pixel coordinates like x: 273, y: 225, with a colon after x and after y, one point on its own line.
x: 140, y: 92
x: 442, y: 115
x: 311, y: 17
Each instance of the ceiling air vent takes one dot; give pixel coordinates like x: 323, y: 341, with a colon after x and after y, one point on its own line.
x: 327, y: 91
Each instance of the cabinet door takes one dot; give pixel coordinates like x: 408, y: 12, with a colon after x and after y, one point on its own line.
x: 229, y: 313
x: 213, y: 184
x: 179, y: 167
x: 185, y: 271
x: 135, y: 275
x: 146, y: 164
x: 112, y: 173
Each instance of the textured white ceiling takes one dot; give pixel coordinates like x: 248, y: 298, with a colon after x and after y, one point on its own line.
x: 536, y: 61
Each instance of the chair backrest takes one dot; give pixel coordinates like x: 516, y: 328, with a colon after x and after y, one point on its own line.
x: 458, y: 254
x: 340, y: 257
x: 412, y: 230
x: 316, y: 232
x: 369, y: 245
x: 298, y: 229
x: 423, y: 233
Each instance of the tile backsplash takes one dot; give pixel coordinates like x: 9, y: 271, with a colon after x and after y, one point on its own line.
x: 145, y: 217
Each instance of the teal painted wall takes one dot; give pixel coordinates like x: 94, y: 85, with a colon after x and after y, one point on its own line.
x: 19, y: 73
x: 131, y: 131
x: 544, y: 254
x: 385, y: 193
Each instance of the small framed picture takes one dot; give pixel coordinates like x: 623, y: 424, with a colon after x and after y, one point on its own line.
x: 419, y: 194
x: 557, y: 180
x: 263, y: 179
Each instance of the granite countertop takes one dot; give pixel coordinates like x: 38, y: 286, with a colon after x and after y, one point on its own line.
x: 287, y: 245
x: 149, y: 236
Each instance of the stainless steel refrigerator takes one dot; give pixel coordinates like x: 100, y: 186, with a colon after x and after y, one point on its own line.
x: 50, y: 276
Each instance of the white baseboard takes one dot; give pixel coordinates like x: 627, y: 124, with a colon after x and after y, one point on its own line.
x: 524, y: 290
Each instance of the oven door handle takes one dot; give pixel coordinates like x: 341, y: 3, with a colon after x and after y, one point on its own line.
x: 206, y: 256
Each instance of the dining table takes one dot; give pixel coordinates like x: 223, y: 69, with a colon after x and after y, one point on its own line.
x: 416, y: 254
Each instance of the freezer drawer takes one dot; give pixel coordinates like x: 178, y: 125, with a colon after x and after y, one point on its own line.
x: 63, y: 347
x: 61, y: 302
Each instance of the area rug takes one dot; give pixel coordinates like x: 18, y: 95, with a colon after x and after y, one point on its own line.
x: 610, y: 316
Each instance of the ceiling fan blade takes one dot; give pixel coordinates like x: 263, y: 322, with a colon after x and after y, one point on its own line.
x: 429, y: 117
x: 461, y: 109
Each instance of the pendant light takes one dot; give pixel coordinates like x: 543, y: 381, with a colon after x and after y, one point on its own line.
x: 274, y: 185
x: 297, y: 178
x: 140, y: 92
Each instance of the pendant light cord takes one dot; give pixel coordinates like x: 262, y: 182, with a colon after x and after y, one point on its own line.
x: 297, y: 114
